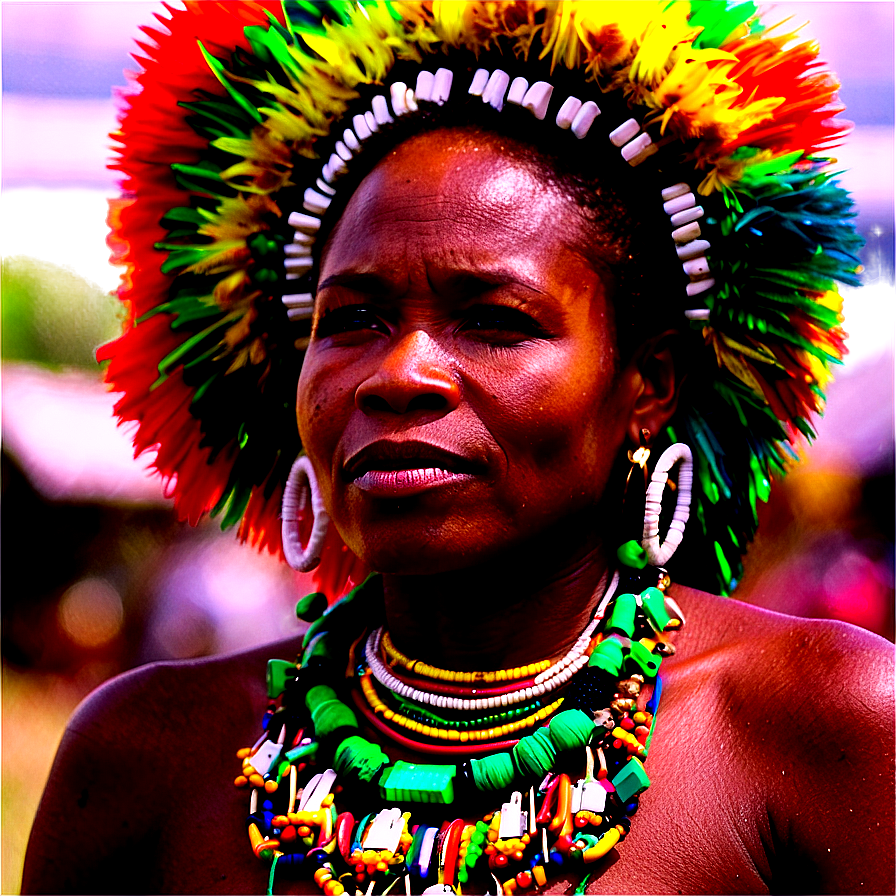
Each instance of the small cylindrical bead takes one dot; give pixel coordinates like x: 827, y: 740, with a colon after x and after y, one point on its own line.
x: 692, y: 249
x: 625, y: 132
x: 305, y: 223
x: 480, y: 79
x: 442, y: 86
x: 696, y: 267
x: 585, y: 117
x: 298, y: 265
x: 537, y: 99
x: 315, y: 202
x: 700, y: 286
x: 686, y: 234
x: 425, y: 83
x: 380, y: 110
x: 679, y: 203
x: 675, y: 190
x: 636, y: 147
x: 568, y: 111
x: 686, y: 216
x: 496, y: 88
x: 518, y: 88
x: 398, y: 94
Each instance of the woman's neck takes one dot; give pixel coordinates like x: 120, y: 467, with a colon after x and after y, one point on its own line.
x: 500, y: 614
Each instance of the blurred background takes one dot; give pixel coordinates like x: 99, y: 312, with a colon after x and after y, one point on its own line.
x: 97, y: 574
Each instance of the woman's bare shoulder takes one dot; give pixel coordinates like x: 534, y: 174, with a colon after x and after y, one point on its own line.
x: 761, y: 643
x: 131, y: 752
x: 159, y: 688
x: 807, y: 707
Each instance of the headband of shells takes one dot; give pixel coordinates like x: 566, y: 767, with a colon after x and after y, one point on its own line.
x: 495, y: 88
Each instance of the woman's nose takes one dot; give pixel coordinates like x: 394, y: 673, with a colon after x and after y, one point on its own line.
x: 413, y: 377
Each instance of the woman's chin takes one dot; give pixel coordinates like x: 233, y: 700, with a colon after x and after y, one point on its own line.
x: 402, y: 547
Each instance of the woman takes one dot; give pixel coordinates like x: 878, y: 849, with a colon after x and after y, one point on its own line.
x: 499, y: 350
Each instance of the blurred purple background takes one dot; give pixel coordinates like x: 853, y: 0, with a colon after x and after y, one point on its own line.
x: 97, y: 574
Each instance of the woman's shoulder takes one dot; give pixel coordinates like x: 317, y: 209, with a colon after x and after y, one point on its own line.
x: 821, y: 658
x: 803, y: 711
x: 144, y: 747
x: 160, y: 694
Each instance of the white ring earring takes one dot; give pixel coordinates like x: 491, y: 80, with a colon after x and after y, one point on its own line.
x: 657, y: 554
x: 301, y: 487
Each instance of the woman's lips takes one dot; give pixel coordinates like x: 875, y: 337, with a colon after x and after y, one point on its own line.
x: 403, y: 483
x: 394, y: 469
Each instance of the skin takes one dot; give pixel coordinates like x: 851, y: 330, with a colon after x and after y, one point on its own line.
x: 772, y: 765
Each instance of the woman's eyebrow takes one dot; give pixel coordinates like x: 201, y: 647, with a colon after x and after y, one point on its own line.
x: 361, y: 281
x: 377, y: 283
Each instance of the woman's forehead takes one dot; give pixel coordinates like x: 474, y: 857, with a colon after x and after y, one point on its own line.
x: 451, y: 196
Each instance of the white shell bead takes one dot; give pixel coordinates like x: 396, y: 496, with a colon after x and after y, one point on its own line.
x: 298, y: 265
x: 679, y: 203
x: 700, y: 286
x: 315, y: 202
x: 537, y: 98
x: 692, y: 249
x: 625, y: 132
x: 687, y: 233
x: 362, y: 129
x: 518, y: 88
x: 299, y: 300
x: 495, y: 89
x: 675, y: 190
x: 425, y: 83
x: 398, y: 92
x: 696, y: 267
x: 442, y: 87
x: 381, y: 110
x: 688, y: 215
x: 305, y: 223
x: 568, y: 112
x: 343, y: 151
x: 637, y: 146
x: 480, y: 79
x: 585, y: 118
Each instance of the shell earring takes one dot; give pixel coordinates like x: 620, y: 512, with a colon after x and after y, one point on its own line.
x: 301, y: 488
x: 660, y: 554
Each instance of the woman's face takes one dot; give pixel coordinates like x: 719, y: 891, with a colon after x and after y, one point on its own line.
x: 459, y: 396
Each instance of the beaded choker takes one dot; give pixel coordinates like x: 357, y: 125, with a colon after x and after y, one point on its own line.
x: 548, y: 758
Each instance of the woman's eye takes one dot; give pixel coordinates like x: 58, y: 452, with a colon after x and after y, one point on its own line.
x: 502, y: 320
x: 349, y: 319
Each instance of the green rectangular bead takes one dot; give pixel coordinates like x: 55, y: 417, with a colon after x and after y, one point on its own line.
x: 409, y: 782
x: 648, y: 663
x: 654, y: 604
x: 278, y: 672
x: 631, y: 779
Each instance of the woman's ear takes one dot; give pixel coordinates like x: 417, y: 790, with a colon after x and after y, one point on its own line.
x: 657, y: 382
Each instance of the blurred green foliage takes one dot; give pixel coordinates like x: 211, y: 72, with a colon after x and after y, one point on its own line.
x: 53, y: 316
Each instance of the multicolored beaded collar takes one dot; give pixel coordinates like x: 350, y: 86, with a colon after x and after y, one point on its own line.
x: 328, y: 804
x: 236, y: 137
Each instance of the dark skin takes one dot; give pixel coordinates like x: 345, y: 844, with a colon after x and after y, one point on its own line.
x: 772, y: 765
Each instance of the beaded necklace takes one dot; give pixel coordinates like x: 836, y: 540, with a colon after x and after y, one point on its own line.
x: 559, y: 797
